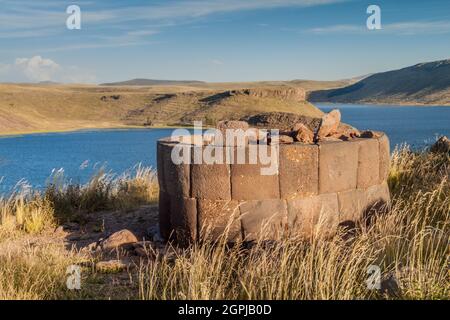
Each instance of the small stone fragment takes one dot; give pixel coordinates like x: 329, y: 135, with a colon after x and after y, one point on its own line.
x: 329, y: 124
x: 303, y: 134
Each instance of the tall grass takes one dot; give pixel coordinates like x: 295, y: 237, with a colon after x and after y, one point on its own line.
x: 104, y: 191
x: 410, y: 245
x: 31, y: 212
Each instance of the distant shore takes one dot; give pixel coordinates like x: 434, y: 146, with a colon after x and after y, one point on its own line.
x: 124, y: 127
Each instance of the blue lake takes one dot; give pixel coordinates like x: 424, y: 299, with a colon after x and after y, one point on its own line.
x: 33, y: 157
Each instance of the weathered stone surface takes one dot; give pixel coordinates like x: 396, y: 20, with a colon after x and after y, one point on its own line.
x: 248, y: 181
x: 177, y: 176
x: 368, y: 163
x: 282, y: 139
x: 314, y: 215
x: 164, y: 215
x: 299, y: 170
x: 162, y: 148
x: 345, y: 132
x: 211, y: 179
x: 302, y: 133
x: 385, y: 157
x: 233, y: 132
x: 118, y: 239
x: 378, y: 199
x: 330, y: 123
x: 183, y: 220
x: 263, y: 219
x: 338, y: 163
x: 351, y: 205
x: 215, y: 217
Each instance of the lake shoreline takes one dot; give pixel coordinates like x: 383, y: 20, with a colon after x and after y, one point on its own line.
x: 120, y: 126
x: 5, y: 135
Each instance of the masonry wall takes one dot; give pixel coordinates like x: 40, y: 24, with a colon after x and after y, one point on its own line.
x: 317, y: 187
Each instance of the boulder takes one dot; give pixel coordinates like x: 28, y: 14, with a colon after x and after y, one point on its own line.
x: 329, y: 124
x: 119, y: 239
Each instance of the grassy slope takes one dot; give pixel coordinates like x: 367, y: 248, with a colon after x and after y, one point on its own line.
x: 422, y: 84
x: 40, y: 108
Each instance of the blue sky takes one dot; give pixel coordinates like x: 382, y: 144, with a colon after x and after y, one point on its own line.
x: 212, y: 40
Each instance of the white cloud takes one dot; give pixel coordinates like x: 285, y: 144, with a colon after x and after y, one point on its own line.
x: 37, y: 69
x: 400, y: 28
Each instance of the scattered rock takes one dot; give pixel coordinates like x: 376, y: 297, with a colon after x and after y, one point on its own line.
x: 118, y: 239
x: 232, y: 124
x: 282, y: 139
x: 302, y: 133
x: 346, y: 132
x: 369, y: 134
x: 329, y: 124
x: 111, y: 266
x: 442, y: 145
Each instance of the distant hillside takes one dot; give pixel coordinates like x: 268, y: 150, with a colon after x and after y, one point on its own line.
x: 151, y: 82
x: 35, y: 108
x: 421, y: 84
x: 213, y: 106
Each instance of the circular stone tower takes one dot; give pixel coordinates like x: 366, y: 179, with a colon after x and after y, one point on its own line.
x: 316, y: 187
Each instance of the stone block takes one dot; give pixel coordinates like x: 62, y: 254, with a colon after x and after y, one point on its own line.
x: 215, y: 217
x: 338, y: 166
x: 161, y: 149
x: 385, y: 157
x: 177, y: 176
x: 211, y: 179
x: 164, y: 215
x: 314, y: 215
x: 378, y: 198
x: 368, y: 163
x: 183, y: 220
x: 299, y: 170
x: 249, y: 180
x: 263, y: 219
x: 351, y: 205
